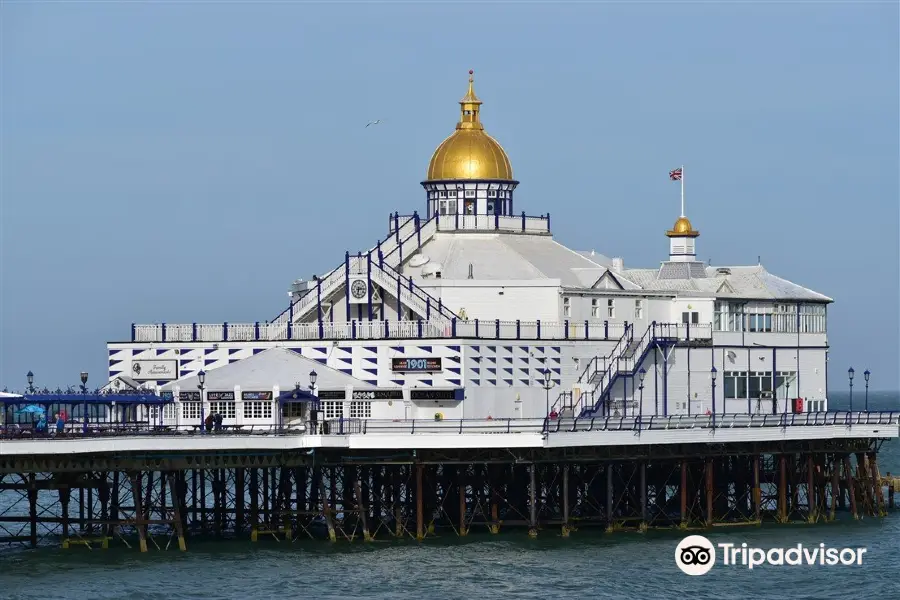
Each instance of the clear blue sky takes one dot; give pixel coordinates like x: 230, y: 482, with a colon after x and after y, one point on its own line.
x: 186, y: 162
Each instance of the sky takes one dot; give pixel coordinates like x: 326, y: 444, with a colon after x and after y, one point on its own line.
x: 184, y: 162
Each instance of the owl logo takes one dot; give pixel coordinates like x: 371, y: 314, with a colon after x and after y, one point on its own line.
x: 136, y: 368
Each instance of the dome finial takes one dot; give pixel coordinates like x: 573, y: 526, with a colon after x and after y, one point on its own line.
x: 470, y: 107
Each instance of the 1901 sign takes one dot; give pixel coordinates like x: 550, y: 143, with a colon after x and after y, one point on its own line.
x: 416, y: 365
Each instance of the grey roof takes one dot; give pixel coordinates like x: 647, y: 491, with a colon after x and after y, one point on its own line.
x: 505, y: 256
x: 510, y: 257
x: 275, y: 366
x: 751, y: 283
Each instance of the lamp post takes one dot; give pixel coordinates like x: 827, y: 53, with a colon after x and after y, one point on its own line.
x: 547, y: 383
x: 313, y: 377
x: 641, y: 374
x: 866, y: 375
x: 84, y: 379
x: 850, y: 373
x: 201, y: 376
x: 712, y: 373
x: 30, y: 382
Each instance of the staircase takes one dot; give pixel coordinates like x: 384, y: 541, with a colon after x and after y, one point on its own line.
x: 602, y: 372
x: 631, y: 354
x: 385, y: 258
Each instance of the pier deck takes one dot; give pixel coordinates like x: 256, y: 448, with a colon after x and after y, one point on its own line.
x: 368, y: 480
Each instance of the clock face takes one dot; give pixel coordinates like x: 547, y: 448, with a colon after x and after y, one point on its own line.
x: 358, y: 288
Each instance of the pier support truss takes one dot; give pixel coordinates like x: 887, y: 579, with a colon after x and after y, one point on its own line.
x: 154, y: 503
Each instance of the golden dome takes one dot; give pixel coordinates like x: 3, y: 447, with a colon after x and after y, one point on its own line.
x: 682, y: 228
x: 469, y: 153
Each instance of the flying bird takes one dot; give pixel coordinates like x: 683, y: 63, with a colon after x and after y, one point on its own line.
x: 375, y: 122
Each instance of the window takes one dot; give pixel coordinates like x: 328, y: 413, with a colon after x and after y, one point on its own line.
x: 257, y: 410
x: 226, y: 409
x: 812, y: 318
x: 595, y: 308
x: 448, y: 207
x: 190, y: 410
x: 692, y: 318
x: 443, y: 193
x: 360, y: 410
x: 292, y: 410
x: 735, y: 384
x: 760, y: 384
x: 785, y: 381
x: 452, y: 193
x: 728, y: 316
x: 333, y: 409
x: 492, y: 193
x: 169, y: 412
x: 814, y: 406
x: 153, y: 414
x: 611, y: 308
x: 567, y: 306
x: 638, y: 309
x: 470, y: 193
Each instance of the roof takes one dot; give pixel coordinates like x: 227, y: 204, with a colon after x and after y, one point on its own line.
x: 740, y: 282
x: 506, y: 256
x: 275, y: 366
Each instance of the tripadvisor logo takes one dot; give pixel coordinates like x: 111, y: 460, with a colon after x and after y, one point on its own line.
x: 696, y: 555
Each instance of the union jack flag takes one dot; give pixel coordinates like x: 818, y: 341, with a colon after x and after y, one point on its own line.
x: 675, y: 174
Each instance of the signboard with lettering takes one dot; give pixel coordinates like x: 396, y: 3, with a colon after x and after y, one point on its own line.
x: 256, y: 395
x: 189, y: 396
x: 220, y: 396
x: 435, y: 394
x: 416, y: 365
x: 154, y: 370
x: 362, y: 395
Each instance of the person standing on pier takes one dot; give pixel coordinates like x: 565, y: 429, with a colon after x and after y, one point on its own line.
x: 60, y: 424
x: 209, y: 422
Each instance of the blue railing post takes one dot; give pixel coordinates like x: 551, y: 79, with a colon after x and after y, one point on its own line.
x: 133, y: 332
x: 453, y: 327
x: 321, y: 329
x: 397, y: 226
x: 428, y: 307
x: 566, y: 325
x: 518, y: 329
x: 290, y: 330
x: 418, y: 229
x: 387, y: 329
x: 163, y: 332
x: 548, y: 222
x: 523, y: 221
x: 457, y: 221
x: 605, y: 330
x: 420, y: 328
x: 538, y: 329
x: 225, y: 331
x: 193, y: 332
x: 346, y: 279
x: 496, y: 220
x: 256, y: 331
x: 476, y: 327
x: 586, y: 326
x: 497, y: 323
x: 353, y: 329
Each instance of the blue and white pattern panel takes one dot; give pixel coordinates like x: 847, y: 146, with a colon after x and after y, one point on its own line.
x: 507, y: 365
x: 369, y: 361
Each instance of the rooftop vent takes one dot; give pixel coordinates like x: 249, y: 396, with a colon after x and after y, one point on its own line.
x: 723, y: 271
x: 618, y: 264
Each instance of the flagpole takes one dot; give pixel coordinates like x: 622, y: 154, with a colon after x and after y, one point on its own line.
x: 682, y: 190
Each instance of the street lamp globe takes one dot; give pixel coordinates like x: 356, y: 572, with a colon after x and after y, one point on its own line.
x: 866, y: 374
x: 850, y: 373
x: 202, y: 377
x: 30, y: 378
x: 84, y: 378
x: 313, y: 376
x: 641, y: 374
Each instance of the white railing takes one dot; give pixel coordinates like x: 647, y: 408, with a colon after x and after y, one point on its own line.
x: 434, y: 328
x: 504, y: 223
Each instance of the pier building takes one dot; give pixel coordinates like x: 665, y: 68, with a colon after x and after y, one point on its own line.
x: 468, y: 370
